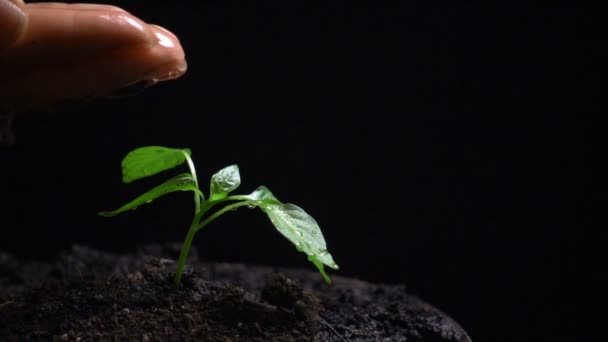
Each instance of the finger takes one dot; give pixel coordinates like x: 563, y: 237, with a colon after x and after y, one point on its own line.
x: 59, y: 33
x: 13, y: 21
x: 100, y: 76
x: 82, y: 51
x: 81, y: 6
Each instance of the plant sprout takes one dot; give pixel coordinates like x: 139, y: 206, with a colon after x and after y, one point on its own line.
x: 290, y: 220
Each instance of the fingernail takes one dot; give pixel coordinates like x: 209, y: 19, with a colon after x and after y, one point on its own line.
x: 165, y: 37
x: 169, y: 73
x: 169, y: 47
x: 123, y: 18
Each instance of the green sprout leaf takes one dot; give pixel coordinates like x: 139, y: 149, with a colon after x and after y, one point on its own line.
x: 303, y: 231
x: 182, y: 182
x: 263, y: 195
x: 224, y: 181
x: 150, y: 160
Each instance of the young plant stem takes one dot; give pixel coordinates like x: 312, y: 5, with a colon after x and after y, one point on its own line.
x: 198, y: 212
x: 197, y: 197
x: 184, y: 254
x: 195, y: 226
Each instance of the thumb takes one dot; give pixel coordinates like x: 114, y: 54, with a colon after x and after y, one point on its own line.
x: 12, y: 22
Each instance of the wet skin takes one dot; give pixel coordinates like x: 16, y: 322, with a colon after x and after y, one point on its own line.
x: 52, y: 52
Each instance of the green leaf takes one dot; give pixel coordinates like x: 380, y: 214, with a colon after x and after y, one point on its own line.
x: 182, y: 182
x: 150, y: 160
x: 303, y: 231
x: 224, y: 181
x: 262, y: 194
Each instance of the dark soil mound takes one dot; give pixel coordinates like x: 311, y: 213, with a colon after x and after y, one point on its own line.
x: 91, y: 295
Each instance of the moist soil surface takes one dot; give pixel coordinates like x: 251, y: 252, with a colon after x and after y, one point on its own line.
x: 88, y: 295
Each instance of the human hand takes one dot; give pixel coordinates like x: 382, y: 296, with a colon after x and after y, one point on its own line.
x: 51, y: 52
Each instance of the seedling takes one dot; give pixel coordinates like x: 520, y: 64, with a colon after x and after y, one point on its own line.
x: 290, y: 220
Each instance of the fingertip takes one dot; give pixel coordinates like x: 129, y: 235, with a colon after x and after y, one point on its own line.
x: 168, y: 35
x: 18, y: 3
x: 13, y: 21
x: 169, y: 53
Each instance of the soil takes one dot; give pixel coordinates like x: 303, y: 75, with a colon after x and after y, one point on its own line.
x: 88, y: 294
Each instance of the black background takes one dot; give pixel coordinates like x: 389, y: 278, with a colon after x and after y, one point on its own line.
x: 436, y: 145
